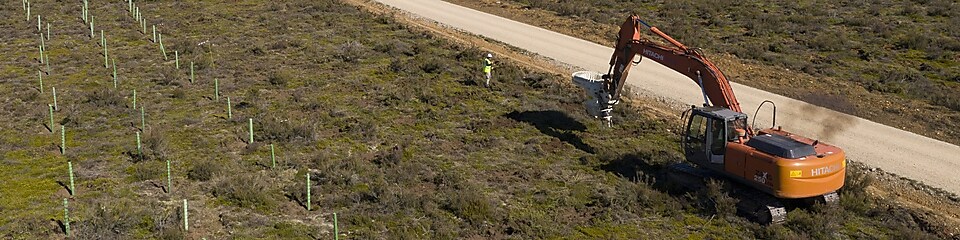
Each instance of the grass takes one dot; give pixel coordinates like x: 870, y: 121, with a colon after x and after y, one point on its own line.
x: 400, y: 138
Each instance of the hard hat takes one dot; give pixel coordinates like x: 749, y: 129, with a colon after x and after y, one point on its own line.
x: 489, y: 55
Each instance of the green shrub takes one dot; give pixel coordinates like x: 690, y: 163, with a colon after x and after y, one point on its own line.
x: 155, y: 146
x: 718, y: 201
x: 247, y: 190
x: 280, y: 77
x: 350, y: 52
x: 277, y: 130
x: 470, y: 205
x: 104, y: 97
x: 204, y: 171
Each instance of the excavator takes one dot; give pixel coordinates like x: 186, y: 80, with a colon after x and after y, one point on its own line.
x: 774, y: 165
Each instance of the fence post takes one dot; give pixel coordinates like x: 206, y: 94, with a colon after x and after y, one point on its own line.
x: 191, y: 72
x: 229, y: 110
x: 134, y: 99
x: 40, y: 74
x: 176, y: 57
x: 273, y: 157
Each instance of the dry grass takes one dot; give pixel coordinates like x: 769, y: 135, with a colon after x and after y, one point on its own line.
x: 400, y: 141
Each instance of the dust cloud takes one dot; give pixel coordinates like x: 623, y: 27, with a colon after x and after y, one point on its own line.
x: 830, y: 123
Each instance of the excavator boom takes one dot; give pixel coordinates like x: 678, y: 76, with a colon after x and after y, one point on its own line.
x: 689, y: 62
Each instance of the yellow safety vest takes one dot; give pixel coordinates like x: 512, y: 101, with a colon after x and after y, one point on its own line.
x: 487, y: 65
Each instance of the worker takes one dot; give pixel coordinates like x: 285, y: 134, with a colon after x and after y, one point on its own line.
x: 487, y: 66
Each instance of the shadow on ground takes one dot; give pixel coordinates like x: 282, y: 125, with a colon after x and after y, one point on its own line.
x: 555, y: 124
x: 631, y: 166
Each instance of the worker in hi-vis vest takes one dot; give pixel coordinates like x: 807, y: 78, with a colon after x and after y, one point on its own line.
x: 487, y: 66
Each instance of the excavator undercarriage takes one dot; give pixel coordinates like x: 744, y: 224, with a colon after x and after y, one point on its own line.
x: 752, y: 204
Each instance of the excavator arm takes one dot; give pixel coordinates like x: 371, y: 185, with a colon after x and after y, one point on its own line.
x: 676, y: 56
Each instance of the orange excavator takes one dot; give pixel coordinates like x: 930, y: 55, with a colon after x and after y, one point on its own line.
x: 781, y: 166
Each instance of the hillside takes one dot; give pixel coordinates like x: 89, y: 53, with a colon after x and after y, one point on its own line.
x: 893, y: 62
x: 387, y: 122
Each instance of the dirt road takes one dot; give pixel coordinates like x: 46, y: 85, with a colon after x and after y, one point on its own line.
x: 930, y: 161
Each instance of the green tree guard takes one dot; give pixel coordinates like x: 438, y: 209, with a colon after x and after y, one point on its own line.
x: 63, y: 140
x: 162, y: 50
x: 114, y: 72
x: 51, y: 117
x: 73, y: 190
x: 66, y: 218
x: 139, y: 148
x: 308, y: 192
x: 54, y: 89
x: 143, y: 120
x: 106, y: 60
x: 186, y: 222
x: 169, y: 185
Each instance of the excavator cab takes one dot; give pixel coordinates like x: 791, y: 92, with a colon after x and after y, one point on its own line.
x: 708, y: 131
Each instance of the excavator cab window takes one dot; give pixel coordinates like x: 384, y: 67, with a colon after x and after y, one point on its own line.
x: 733, y: 125
x: 708, y: 133
x: 696, y: 133
x: 718, y: 132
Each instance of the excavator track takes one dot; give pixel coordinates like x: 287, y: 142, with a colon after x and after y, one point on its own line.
x: 755, y: 205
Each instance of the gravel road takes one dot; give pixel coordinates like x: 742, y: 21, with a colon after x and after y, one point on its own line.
x: 930, y: 161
